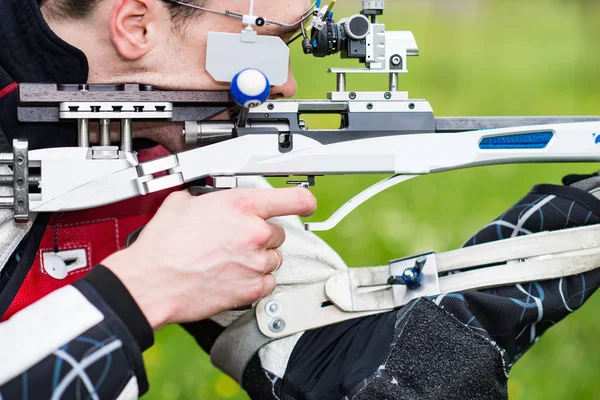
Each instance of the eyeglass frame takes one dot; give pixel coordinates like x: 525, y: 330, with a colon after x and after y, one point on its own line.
x: 236, y: 15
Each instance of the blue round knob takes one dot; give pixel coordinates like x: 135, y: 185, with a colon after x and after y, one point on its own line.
x: 250, y: 88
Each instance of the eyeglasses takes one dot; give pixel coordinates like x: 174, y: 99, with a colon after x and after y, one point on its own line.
x: 236, y: 15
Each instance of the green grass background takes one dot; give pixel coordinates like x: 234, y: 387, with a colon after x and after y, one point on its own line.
x: 477, y: 58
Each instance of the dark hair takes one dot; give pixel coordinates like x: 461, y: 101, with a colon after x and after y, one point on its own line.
x: 79, y: 9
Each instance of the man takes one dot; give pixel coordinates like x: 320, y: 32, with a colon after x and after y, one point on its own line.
x: 411, y: 353
x: 111, y: 313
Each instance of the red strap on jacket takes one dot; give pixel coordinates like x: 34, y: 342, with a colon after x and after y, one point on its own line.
x: 8, y: 89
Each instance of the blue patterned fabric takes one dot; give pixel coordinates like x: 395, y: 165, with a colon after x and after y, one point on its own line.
x: 516, y: 316
x: 83, y: 369
x: 97, y: 364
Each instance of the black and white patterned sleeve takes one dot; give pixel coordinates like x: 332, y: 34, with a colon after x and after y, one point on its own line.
x: 82, y: 341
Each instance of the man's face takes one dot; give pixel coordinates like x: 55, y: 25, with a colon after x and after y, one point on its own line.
x: 178, y: 60
x: 183, y: 55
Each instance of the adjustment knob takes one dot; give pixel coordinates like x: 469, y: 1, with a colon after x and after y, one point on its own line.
x: 357, y: 27
x: 250, y: 88
x: 373, y: 7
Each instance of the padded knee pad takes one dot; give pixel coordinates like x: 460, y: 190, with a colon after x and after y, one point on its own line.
x: 434, y: 356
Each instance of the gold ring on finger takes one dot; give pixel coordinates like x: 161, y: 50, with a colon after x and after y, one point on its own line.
x: 279, y: 259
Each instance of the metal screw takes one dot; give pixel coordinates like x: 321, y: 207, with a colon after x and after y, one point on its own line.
x: 277, y: 325
x: 126, y: 135
x: 20, y: 203
x: 271, y: 106
x: 20, y: 160
x: 20, y: 182
x: 273, y: 309
x: 8, y: 179
x: 352, y: 96
x: 370, y: 106
x: 83, y: 132
x: 387, y: 95
x: 105, y: 132
x: 396, y: 60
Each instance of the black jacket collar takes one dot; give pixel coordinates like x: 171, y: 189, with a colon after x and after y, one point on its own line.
x: 31, y: 52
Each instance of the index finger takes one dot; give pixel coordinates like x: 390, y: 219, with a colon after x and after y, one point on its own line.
x: 269, y: 203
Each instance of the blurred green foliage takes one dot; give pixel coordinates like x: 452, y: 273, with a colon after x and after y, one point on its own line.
x: 494, y: 57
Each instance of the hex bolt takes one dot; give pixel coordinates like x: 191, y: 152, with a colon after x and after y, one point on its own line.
x: 277, y: 325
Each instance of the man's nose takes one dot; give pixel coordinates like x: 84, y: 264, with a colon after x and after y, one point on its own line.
x: 286, y: 90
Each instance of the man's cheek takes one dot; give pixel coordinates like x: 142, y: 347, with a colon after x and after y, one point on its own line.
x: 167, y: 134
x: 225, y: 115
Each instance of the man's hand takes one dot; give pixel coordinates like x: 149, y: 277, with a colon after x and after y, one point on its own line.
x: 200, y: 256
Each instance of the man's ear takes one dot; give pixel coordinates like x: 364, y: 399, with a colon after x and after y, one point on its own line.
x: 130, y: 22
